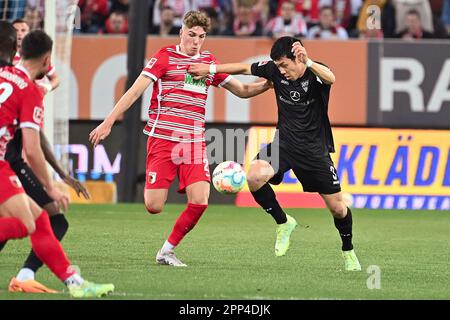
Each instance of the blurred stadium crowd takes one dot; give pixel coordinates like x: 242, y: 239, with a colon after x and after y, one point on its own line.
x: 312, y: 19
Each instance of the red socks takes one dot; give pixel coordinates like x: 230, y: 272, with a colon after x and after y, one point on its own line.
x: 12, y: 228
x: 186, y: 221
x: 49, y: 250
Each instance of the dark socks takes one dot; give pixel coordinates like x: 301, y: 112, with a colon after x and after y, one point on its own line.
x: 344, y: 227
x: 59, y: 225
x: 2, y: 245
x: 265, y: 197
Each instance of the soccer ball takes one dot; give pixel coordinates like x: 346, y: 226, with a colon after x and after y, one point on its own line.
x: 228, y: 177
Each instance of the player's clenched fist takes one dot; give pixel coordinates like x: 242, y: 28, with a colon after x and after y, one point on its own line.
x: 199, y: 70
x: 100, y: 133
x: 300, y: 52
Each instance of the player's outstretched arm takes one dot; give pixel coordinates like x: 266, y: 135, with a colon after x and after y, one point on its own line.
x: 319, y: 70
x: 127, y: 100
x: 247, y: 90
x: 50, y: 157
x: 201, y: 70
x: 35, y: 157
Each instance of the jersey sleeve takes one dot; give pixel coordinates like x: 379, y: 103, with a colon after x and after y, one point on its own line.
x: 321, y: 83
x: 263, y: 69
x: 220, y: 79
x: 157, y: 65
x: 31, y: 114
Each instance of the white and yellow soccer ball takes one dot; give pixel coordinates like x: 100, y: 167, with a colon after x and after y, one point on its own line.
x: 229, y: 177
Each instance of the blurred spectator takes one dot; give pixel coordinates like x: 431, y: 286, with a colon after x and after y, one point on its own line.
x: 259, y: 8
x: 120, y: 5
x: 117, y: 23
x: 180, y: 7
x: 216, y: 27
x: 288, y: 23
x: 308, y: 8
x: 439, y: 27
x: 34, y: 18
x: 346, y: 12
x: 246, y: 23
x: 327, y: 27
x: 203, y: 4
x: 167, y: 26
x: 402, y: 7
x: 93, y: 15
x: 414, y: 28
x: 12, y: 9
x: 446, y: 14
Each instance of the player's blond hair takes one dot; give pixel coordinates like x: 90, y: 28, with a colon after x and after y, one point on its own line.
x: 197, y: 19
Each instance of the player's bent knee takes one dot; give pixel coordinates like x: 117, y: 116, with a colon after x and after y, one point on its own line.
x: 153, y: 208
x: 338, y: 210
x: 254, y: 180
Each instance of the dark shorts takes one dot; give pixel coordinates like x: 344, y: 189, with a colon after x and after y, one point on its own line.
x: 315, y: 174
x: 30, y: 183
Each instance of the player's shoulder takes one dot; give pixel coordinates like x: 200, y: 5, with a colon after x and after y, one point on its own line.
x: 167, y: 50
x: 16, y: 76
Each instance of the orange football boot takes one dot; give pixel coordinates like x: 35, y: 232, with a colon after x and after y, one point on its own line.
x: 28, y: 286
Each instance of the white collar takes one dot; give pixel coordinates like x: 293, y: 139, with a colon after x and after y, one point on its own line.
x: 184, y: 54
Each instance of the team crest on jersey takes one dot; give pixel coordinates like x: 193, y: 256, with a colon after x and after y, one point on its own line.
x: 151, y: 63
x: 15, y: 181
x: 261, y: 63
x: 305, y: 85
x: 38, y: 115
x: 152, y: 177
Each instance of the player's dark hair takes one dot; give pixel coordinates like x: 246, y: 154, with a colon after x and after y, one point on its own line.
x: 413, y: 12
x: 8, y: 41
x: 283, y: 48
x: 20, y: 21
x: 35, y: 45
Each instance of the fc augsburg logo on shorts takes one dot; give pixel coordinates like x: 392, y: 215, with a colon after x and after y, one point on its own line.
x: 15, y: 181
x: 152, y: 177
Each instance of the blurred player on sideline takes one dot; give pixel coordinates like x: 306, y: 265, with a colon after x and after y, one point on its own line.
x: 21, y: 106
x: 25, y: 280
x: 303, y: 142
x: 176, y: 143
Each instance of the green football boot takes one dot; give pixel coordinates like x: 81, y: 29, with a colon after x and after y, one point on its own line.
x: 351, y: 262
x: 283, y: 234
x: 90, y: 290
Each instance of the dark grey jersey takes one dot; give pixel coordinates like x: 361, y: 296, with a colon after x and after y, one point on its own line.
x: 303, y: 124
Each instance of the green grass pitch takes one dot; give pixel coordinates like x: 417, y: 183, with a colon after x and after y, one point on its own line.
x: 230, y: 255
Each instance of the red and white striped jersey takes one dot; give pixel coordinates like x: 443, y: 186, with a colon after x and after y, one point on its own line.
x: 17, y: 58
x: 177, y: 106
x: 20, y: 104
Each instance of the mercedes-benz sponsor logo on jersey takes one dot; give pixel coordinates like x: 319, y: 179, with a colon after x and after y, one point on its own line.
x: 295, y: 96
x: 305, y: 85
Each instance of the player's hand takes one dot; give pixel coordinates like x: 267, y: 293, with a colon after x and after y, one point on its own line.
x: 77, y: 186
x: 199, y: 71
x: 300, y: 52
x: 45, y: 88
x: 61, y: 199
x: 100, y: 133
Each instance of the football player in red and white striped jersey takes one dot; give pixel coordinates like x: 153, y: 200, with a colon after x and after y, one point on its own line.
x: 176, y: 142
